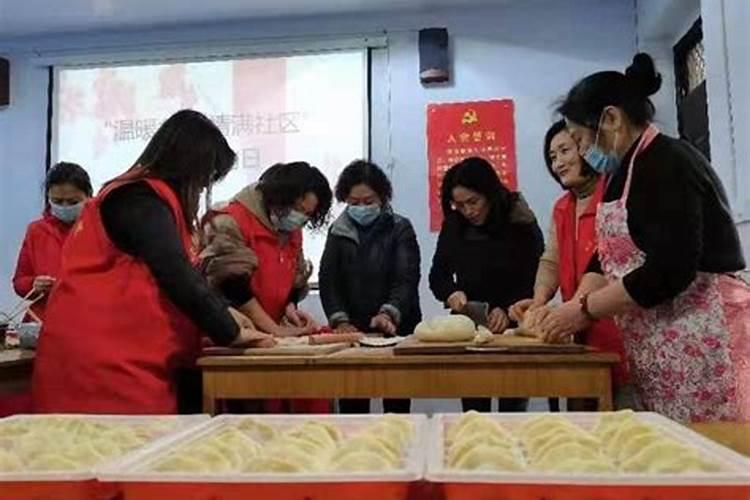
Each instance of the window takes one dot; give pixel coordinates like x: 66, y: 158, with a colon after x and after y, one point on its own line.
x: 311, y: 107
x: 691, y: 92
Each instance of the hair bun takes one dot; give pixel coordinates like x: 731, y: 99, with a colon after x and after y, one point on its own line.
x: 643, y: 75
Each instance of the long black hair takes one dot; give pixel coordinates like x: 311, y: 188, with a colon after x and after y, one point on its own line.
x: 556, y: 128
x: 478, y: 175
x: 284, y: 183
x: 189, y: 152
x: 629, y: 91
x: 68, y: 173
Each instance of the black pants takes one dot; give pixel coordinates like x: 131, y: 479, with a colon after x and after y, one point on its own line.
x: 189, y: 390
x: 485, y: 404
x: 362, y: 406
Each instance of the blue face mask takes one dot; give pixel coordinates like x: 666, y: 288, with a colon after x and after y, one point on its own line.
x: 364, y: 215
x: 289, y: 222
x: 66, y: 213
x: 603, y: 163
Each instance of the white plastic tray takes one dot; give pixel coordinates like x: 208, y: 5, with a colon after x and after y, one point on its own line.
x: 736, y: 468
x: 136, y: 467
x: 182, y: 424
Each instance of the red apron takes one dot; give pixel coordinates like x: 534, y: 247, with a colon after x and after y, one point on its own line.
x: 40, y: 255
x: 575, y: 249
x: 112, y: 340
x: 272, y: 283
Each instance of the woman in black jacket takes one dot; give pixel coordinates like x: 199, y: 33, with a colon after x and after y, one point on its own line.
x: 369, y: 273
x: 487, y: 251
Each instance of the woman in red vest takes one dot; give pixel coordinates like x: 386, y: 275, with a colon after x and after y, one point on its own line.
x: 262, y: 227
x: 128, y: 308
x: 67, y: 188
x: 571, y: 244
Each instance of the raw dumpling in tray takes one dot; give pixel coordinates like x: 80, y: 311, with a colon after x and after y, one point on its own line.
x: 488, y: 457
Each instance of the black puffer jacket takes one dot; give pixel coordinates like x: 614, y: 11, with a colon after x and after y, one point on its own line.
x: 365, y: 271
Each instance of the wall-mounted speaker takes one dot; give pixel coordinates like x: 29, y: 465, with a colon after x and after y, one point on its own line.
x: 4, y: 82
x: 433, y: 55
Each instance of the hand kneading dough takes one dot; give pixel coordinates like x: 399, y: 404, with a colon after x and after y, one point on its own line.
x: 452, y: 328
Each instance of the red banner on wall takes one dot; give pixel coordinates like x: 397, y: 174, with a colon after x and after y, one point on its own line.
x: 460, y: 130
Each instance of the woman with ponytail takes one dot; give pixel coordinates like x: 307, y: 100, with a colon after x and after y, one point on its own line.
x: 667, y: 251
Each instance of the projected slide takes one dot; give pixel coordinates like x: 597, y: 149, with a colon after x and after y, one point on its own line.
x: 309, y: 107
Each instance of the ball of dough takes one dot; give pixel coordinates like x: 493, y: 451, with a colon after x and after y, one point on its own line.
x: 452, y: 328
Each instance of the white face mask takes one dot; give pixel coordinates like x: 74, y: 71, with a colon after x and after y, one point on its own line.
x: 66, y: 213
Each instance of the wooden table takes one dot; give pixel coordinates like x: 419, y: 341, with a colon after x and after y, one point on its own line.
x: 15, y: 370
x: 377, y: 373
x: 734, y: 435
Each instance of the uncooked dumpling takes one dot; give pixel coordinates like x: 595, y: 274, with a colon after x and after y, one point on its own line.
x: 478, y: 426
x: 582, y: 439
x: 465, y: 445
x: 487, y: 457
x: 370, y: 443
x: 361, y: 461
x: 9, y: 462
x: 180, y: 462
x: 464, y: 420
x: 258, y: 431
x: 579, y: 466
x: 452, y: 328
x: 539, y: 424
x: 657, y: 456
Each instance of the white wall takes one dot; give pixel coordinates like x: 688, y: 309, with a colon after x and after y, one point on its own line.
x: 531, y: 51
x: 661, y: 24
x: 727, y: 45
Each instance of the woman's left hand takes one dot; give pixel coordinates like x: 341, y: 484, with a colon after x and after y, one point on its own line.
x: 562, y: 322
x: 497, y: 321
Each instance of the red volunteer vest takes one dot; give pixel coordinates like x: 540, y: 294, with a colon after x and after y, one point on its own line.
x: 40, y: 255
x: 273, y: 280
x: 272, y: 283
x: 574, y: 254
x: 112, y: 340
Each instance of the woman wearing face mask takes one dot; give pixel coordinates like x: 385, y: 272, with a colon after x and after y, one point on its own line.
x: 668, y: 248
x: 488, y: 250
x: 67, y: 187
x: 369, y: 274
x: 570, y: 247
x: 253, y: 252
x: 129, y: 306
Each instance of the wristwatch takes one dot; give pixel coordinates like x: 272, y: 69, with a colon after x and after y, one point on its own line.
x: 584, y: 302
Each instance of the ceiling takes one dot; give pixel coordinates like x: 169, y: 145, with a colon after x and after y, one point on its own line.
x: 36, y: 17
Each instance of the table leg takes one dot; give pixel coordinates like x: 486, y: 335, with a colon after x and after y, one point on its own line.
x: 209, y: 395
x: 605, y: 399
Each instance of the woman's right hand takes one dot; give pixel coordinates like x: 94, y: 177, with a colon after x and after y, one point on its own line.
x: 457, y: 301
x: 43, y: 284
x: 518, y: 310
x: 294, y: 331
x: 253, y: 338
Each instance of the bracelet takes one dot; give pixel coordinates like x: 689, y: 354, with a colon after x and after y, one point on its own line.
x: 584, y: 302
